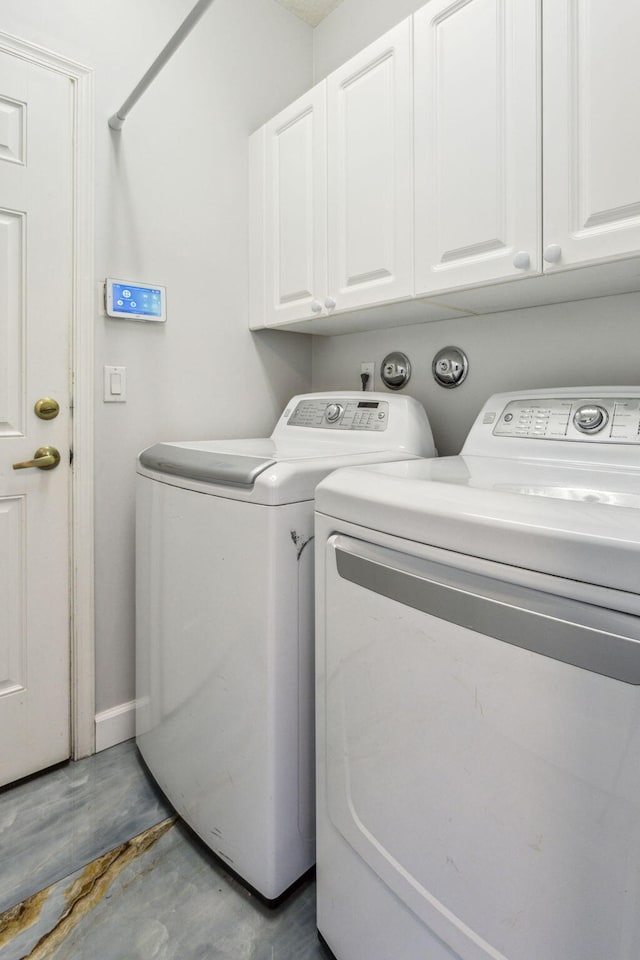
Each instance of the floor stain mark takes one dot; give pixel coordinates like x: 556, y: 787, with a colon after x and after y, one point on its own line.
x: 93, y: 884
x: 22, y: 916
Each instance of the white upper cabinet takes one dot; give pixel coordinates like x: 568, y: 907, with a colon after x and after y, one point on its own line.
x: 331, y: 189
x: 370, y: 166
x: 477, y: 142
x: 295, y: 210
x: 591, y: 131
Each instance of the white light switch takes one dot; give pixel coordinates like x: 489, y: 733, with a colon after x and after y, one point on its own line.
x: 115, y: 384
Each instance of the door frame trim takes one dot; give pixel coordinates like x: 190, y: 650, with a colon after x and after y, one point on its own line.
x: 81, y: 364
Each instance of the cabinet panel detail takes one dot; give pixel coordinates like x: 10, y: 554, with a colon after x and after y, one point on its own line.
x: 294, y: 226
x: 458, y: 134
x: 370, y: 174
x: 591, y: 132
x: 606, y: 146
x: 477, y: 141
x: 361, y: 131
x: 295, y: 209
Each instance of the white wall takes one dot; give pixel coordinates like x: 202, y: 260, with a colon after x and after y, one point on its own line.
x: 171, y: 208
x: 570, y: 344
x: 351, y: 26
x: 590, y: 342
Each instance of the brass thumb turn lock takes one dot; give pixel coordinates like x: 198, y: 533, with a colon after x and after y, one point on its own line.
x: 47, y: 408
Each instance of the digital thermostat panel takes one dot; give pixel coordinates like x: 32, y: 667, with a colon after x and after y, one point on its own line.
x: 129, y: 300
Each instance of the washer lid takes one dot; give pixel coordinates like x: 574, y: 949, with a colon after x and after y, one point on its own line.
x: 258, y: 470
x: 573, y: 521
x: 210, y: 466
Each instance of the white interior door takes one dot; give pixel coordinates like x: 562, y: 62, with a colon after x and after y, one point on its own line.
x: 36, y: 173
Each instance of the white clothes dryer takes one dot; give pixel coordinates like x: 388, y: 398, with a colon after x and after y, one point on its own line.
x: 478, y: 691
x: 224, y: 622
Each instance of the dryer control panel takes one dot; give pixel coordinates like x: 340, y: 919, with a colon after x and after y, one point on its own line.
x: 603, y: 419
x: 341, y: 413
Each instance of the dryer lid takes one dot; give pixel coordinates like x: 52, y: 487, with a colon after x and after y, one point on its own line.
x: 209, y: 466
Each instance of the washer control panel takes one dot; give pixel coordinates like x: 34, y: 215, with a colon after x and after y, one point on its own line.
x: 601, y: 419
x: 341, y: 414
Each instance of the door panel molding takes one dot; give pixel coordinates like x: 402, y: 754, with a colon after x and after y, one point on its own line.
x: 81, y: 370
x: 13, y: 144
x: 12, y: 285
x: 13, y: 672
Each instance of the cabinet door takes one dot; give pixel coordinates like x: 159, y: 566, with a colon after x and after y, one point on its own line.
x: 295, y: 240
x: 591, y: 73
x: 370, y: 190
x: 477, y: 141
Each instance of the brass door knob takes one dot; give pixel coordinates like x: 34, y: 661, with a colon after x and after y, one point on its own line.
x: 47, y: 408
x: 45, y: 458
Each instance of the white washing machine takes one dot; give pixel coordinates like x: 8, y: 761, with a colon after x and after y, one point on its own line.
x: 478, y: 698
x: 224, y: 622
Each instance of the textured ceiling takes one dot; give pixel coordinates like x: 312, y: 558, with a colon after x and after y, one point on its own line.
x: 312, y: 11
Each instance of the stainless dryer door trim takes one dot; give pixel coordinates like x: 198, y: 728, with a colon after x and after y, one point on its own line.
x: 572, y: 633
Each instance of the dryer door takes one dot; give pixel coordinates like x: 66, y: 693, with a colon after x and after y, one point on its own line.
x: 483, y: 753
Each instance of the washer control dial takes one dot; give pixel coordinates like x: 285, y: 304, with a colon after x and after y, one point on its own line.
x: 333, y: 412
x: 590, y: 418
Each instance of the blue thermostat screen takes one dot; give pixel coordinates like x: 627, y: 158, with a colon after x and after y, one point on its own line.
x: 130, y: 299
x: 135, y: 301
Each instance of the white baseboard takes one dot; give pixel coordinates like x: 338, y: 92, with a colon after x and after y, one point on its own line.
x: 115, y: 725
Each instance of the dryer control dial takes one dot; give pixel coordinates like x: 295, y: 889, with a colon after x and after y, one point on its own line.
x: 333, y: 412
x: 590, y: 418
